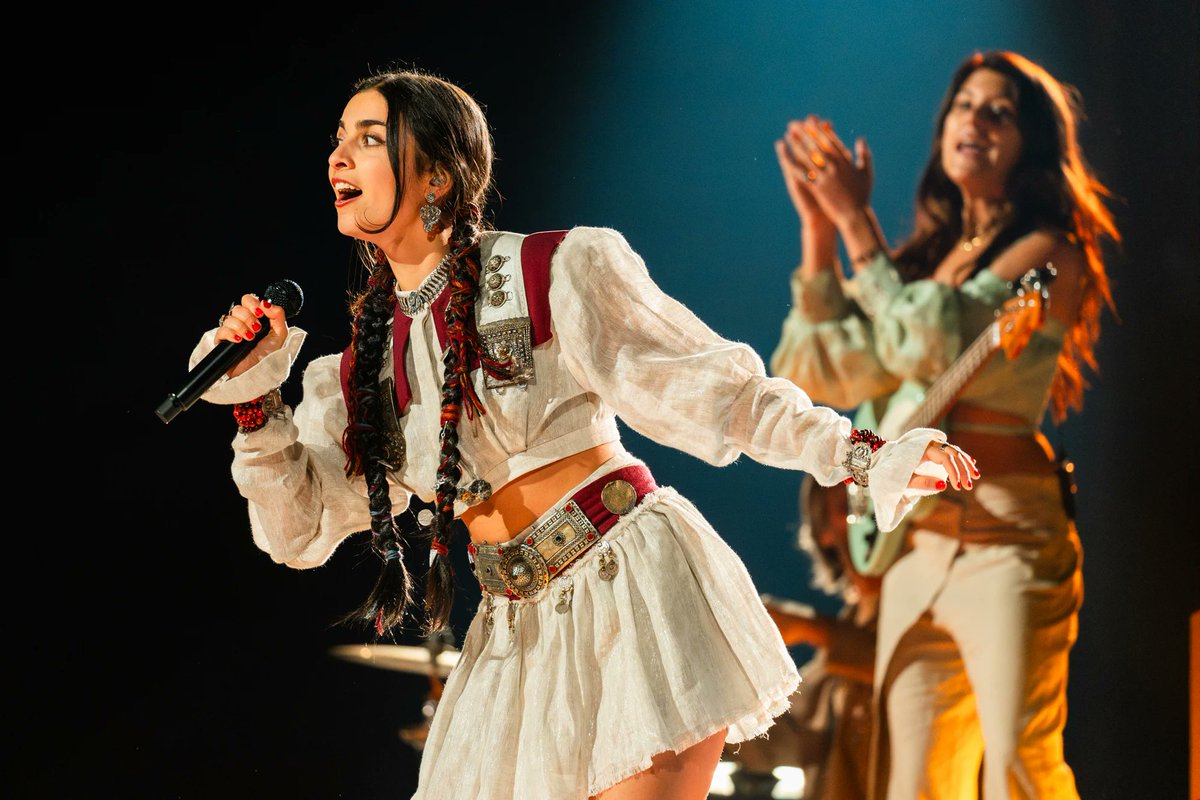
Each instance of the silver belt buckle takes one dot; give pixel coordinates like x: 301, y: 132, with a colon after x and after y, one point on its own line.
x: 527, y: 565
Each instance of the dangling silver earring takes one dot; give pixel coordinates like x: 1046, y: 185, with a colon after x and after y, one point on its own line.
x: 430, y: 214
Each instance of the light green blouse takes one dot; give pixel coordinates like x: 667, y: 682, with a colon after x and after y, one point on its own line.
x: 848, y: 342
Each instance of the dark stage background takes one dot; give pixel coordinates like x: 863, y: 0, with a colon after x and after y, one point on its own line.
x: 160, y: 164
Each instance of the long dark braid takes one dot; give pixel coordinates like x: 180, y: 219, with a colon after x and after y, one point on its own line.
x: 446, y: 130
x: 458, y: 395
x: 363, y: 443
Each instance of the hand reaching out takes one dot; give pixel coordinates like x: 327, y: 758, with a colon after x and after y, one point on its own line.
x: 960, y: 468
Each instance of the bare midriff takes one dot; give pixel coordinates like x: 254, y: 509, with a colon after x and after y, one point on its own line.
x: 515, y: 505
x: 998, y: 453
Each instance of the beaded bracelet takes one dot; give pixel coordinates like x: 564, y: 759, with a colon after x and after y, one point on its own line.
x: 867, y: 437
x: 863, y: 444
x: 254, y: 414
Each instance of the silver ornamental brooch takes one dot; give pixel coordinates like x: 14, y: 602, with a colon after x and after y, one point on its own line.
x: 509, y: 339
x: 524, y: 569
x: 858, y: 461
x: 272, y: 403
x: 476, y: 492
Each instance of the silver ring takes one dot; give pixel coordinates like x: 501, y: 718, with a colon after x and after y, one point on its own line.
x: 943, y: 445
x: 221, y: 320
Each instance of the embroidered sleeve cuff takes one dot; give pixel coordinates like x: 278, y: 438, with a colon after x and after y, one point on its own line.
x: 820, y: 299
x: 264, y: 376
x: 876, y: 285
x: 893, y: 467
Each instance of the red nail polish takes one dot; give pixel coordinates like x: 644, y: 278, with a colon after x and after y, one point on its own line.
x: 258, y: 312
x: 266, y: 303
x: 256, y: 327
x: 941, y: 484
x: 237, y: 338
x: 249, y: 334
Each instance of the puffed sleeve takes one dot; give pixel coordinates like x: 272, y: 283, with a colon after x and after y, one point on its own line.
x: 826, y: 345
x: 674, y: 380
x: 844, y: 351
x: 301, y: 504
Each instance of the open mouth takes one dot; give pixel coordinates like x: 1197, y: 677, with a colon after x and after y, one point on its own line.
x: 970, y: 147
x: 346, y: 191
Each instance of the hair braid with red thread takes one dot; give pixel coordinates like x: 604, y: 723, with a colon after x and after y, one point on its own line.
x: 458, y: 395
x: 432, y: 124
x: 363, y: 443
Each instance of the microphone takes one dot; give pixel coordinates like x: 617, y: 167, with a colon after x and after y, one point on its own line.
x: 283, y: 293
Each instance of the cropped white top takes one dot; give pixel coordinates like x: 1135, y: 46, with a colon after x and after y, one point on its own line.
x: 618, y: 346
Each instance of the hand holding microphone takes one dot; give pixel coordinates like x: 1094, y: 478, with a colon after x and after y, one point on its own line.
x: 249, y: 332
x: 257, y: 322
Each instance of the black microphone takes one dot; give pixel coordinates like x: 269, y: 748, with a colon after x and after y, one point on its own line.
x: 284, y: 294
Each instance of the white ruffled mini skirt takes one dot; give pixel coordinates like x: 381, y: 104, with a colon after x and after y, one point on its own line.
x: 576, y: 688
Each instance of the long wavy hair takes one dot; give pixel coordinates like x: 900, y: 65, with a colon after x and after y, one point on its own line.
x: 445, y: 129
x: 1050, y: 187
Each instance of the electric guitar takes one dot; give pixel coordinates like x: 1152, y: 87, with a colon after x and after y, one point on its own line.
x: 914, y: 406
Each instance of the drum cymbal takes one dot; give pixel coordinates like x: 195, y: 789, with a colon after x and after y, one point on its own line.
x: 398, y: 657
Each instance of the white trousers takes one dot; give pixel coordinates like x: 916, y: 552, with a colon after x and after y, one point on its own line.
x: 976, y: 624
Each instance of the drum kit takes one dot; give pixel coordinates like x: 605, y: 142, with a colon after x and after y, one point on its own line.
x: 753, y: 770
x: 434, y: 659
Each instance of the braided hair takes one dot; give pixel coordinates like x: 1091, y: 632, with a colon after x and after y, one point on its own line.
x: 447, y: 130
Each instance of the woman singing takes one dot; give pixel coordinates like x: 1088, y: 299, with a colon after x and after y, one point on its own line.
x: 977, y: 619
x: 619, y: 641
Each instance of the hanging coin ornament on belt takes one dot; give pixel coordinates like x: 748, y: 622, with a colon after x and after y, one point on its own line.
x: 489, y: 610
x: 565, y: 593
x: 619, y: 497
x: 608, y: 561
x: 512, y: 618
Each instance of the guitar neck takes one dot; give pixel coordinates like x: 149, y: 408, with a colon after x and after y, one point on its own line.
x: 946, y: 388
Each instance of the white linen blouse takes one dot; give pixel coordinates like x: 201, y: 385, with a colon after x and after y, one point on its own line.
x: 619, y: 347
